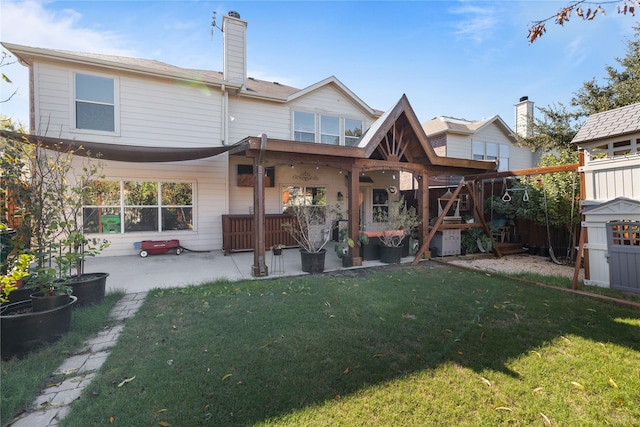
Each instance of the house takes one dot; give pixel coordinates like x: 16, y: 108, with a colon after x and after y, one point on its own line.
x: 488, y: 139
x: 609, y: 143
x: 197, y: 155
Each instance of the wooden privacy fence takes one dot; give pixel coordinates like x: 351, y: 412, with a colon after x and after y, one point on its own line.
x: 237, y: 232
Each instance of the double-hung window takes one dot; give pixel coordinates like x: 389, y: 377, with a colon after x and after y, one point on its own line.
x: 330, y: 130
x: 95, y: 103
x: 304, y: 126
x: 352, y: 131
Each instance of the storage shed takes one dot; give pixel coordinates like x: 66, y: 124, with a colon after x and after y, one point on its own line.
x: 610, y: 177
x: 614, y: 244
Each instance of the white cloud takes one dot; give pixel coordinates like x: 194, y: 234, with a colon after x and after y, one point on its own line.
x: 479, y: 24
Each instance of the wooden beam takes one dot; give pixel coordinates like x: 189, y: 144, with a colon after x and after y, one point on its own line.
x: 524, y: 172
x: 576, y: 272
x: 487, y: 230
x: 354, y: 216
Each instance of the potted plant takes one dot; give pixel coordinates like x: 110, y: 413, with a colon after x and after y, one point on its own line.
x: 277, y: 249
x: 397, y: 222
x: 14, y: 278
x: 24, y: 327
x: 310, y: 226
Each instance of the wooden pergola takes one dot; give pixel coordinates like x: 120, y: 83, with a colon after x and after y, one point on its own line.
x: 396, y: 141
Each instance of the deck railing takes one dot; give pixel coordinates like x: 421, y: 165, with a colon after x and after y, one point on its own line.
x: 237, y: 232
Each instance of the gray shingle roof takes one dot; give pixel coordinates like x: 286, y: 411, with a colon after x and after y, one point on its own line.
x: 620, y: 121
x: 253, y: 86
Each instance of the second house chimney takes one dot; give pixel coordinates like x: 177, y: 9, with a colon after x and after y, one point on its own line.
x: 524, y: 117
x: 234, y: 61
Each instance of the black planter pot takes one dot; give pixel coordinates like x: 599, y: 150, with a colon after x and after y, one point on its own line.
x: 312, y: 262
x: 26, y: 331
x: 22, y: 294
x: 391, y: 254
x: 42, y: 302
x: 89, y: 289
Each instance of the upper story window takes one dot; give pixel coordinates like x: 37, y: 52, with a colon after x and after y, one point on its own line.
x: 491, y: 151
x: 333, y: 130
x: 330, y: 130
x: 352, y: 131
x: 94, y: 103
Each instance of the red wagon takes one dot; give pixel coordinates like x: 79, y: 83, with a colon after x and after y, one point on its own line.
x: 155, y: 247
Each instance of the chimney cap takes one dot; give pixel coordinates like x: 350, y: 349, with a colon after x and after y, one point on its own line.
x: 234, y: 14
x: 524, y: 98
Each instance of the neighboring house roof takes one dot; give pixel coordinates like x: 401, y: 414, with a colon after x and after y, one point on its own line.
x: 443, y: 124
x: 617, y: 122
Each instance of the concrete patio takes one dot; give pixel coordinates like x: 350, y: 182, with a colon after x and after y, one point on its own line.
x: 134, y: 274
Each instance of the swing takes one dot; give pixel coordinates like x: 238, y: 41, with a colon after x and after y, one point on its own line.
x: 546, y: 215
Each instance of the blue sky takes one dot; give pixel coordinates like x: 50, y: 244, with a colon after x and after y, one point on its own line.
x: 466, y: 59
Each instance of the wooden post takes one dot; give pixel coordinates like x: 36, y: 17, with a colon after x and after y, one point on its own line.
x: 259, y: 268
x: 576, y: 272
x: 423, y: 208
x: 354, y: 215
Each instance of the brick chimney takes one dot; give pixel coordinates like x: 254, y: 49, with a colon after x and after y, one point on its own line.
x: 234, y: 60
x: 524, y: 117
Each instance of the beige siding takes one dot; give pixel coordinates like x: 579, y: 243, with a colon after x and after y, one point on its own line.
x: 327, y: 100
x: 150, y: 112
x: 252, y: 118
x: 459, y: 146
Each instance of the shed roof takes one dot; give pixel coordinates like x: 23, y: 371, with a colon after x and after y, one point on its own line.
x: 617, y: 122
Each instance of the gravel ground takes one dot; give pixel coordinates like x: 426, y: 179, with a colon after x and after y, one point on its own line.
x: 516, y: 264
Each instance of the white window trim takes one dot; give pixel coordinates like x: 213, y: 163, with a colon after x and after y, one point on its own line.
x: 72, y: 105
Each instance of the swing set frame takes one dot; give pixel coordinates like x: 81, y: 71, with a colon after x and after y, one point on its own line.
x: 473, y: 184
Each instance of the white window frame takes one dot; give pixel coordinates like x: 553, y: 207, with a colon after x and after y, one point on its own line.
x: 348, y: 138
x: 318, y: 134
x: 121, y: 207
x: 116, y: 105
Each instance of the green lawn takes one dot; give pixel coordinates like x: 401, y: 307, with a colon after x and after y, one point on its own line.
x: 393, y: 346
